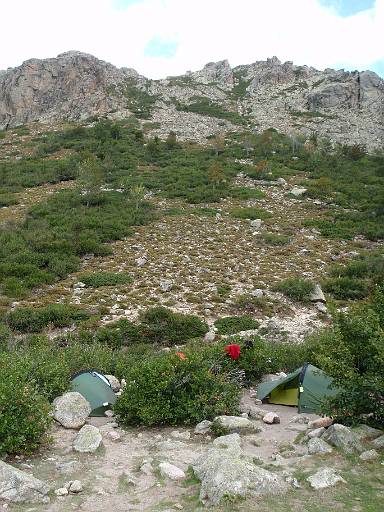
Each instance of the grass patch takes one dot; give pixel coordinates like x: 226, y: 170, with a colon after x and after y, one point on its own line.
x: 295, y: 288
x: 251, y: 213
x: 235, y: 324
x: 275, y: 239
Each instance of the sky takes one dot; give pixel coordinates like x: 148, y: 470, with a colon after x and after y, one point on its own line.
x: 160, y: 38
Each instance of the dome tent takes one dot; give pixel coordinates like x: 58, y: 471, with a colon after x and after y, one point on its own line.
x: 95, y: 388
x: 306, y: 388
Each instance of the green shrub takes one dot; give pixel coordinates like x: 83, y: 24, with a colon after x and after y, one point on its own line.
x: 295, y: 288
x: 161, y: 325
x: 24, y: 417
x: 234, y: 324
x: 250, y: 213
x: 99, y: 279
x: 250, y: 303
x: 167, y: 390
x: 7, y: 200
x: 246, y: 193
x: 345, y: 288
x: 35, y: 319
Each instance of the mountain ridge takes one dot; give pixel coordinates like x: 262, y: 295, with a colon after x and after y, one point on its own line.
x: 347, y: 107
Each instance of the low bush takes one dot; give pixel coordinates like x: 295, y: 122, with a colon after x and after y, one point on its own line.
x: 250, y: 303
x: 345, y: 288
x: 161, y: 325
x: 246, y: 193
x: 275, y: 239
x: 35, y: 319
x: 99, y: 279
x: 295, y: 288
x: 7, y: 200
x: 168, y: 390
x: 251, y: 213
x: 234, y: 324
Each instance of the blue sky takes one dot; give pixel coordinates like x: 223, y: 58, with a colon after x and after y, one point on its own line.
x: 159, y: 38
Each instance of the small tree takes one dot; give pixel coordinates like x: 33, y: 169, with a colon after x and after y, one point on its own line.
x: 216, y: 175
x: 90, y: 176
x: 137, y: 194
x: 218, y: 144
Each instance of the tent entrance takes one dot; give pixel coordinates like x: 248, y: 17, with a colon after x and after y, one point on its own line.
x: 285, y: 394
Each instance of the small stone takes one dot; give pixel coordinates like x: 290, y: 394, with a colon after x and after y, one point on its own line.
x: 317, y: 294
x: 147, y: 468
x: 236, y: 423
x: 170, y: 471
x: 140, y: 262
x: 281, y: 182
x: 318, y: 432
x: 166, y: 285
x: 114, y: 436
x: 298, y: 192
x: 256, y: 223
x: 210, y: 336
x: 76, y: 487
x: 322, y: 308
x: 62, y: 491
x: 181, y: 435
x: 326, y: 477
x: 369, y: 455
x: 204, y: 427
x: 258, y: 293
x: 271, y: 417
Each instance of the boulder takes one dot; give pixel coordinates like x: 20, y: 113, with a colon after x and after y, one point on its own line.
x: 226, y: 472
x: 88, y: 439
x: 62, y: 491
x: 256, y: 223
x: 166, y: 285
x: 204, y: 427
x: 19, y: 487
x: 367, y: 433
x: 378, y: 442
x: 369, y: 455
x: 75, y: 487
x: 326, y: 477
x: 229, y: 441
x: 271, y: 417
x: 170, y: 471
x: 210, y: 336
x: 317, y: 294
x: 114, y: 382
x: 235, y: 424
x: 342, y: 437
x: 281, y: 181
x: 258, y: 293
x: 321, y: 307
x: 71, y: 410
x: 317, y: 445
x: 320, y: 422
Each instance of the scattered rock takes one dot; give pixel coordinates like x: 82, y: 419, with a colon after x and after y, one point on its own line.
x: 114, y: 382
x: 62, y: 491
x: 320, y: 422
x: 317, y: 445
x: 281, y: 181
x: 271, y: 417
x: 317, y: 294
x: 176, y: 434
x: 166, y: 285
x: 114, y: 436
x: 170, y: 471
x: 140, y: 262
x: 326, y: 477
x: 204, y: 427
x: 88, y: 439
x: 76, y: 487
x: 147, y: 468
x: 258, y: 293
x: 298, y: 192
x: 71, y: 410
x: 369, y: 455
x: 210, y: 336
x: 235, y: 424
x: 367, y: 433
x: 19, y: 487
x: 321, y: 307
x: 256, y: 223
x: 342, y: 437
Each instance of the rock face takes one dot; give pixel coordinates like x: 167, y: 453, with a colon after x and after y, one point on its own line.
x: 345, y: 106
x: 19, y: 487
x: 71, y: 410
x: 226, y: 472
x: 88, y: 439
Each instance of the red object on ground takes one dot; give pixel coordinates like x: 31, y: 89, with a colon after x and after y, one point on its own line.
x: 233, y: 351
x: 181, y: 356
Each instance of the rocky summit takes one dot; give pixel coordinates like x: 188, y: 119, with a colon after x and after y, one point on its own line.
x: 347, y: 107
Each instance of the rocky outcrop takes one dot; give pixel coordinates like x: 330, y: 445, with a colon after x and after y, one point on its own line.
x: 347, y: 107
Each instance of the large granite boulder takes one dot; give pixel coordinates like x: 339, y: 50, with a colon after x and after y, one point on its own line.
x: 19, y: 487
x: 343, y: 438
x: 71, y: 410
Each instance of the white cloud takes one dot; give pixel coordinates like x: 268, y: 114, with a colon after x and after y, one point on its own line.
x: 242, y: 31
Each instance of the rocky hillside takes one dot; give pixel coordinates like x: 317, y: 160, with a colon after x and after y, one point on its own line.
x: 348, y: 107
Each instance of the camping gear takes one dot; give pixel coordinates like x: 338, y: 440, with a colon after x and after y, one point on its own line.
x: 95, y: 388
x: 233, y: 351
x: 306, y: 388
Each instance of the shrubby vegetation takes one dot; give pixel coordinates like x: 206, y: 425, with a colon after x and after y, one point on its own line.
x: 234, y: 324
x: 295, y: 288
x: 99, y: 279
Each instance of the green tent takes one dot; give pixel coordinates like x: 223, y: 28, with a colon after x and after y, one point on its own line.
x: 306, y: 388
x: 95, y: 388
